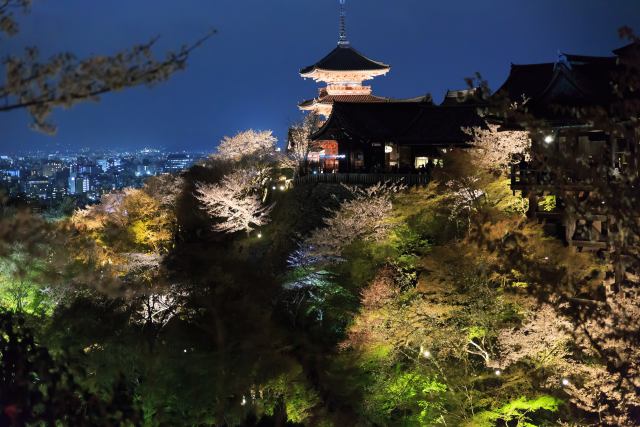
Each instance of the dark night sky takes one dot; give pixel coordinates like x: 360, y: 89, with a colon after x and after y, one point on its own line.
x: 247, y: 75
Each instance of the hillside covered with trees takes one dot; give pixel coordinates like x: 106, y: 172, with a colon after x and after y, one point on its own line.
x: 227, y: 297
x: 232, y: 295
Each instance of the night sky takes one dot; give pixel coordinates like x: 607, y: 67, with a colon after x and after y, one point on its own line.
x: 247, y: 75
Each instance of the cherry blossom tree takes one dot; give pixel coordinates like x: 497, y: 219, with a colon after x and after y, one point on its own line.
x: 165, y: 188
x: 247, y: 143
x: 495, y: 149
x: 8, y: 24
x: 235, y: 202
x: 365, y: 216
x: 300, y: 142
x: 543, y: 338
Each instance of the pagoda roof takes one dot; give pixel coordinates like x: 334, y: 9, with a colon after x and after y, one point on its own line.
x: 331, y: 99
x: 345, y: 58
x: 411, y: 123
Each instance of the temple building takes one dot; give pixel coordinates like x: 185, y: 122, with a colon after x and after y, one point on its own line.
x: 366, y: 133
x: 561, y: 99
x: 396, y: 137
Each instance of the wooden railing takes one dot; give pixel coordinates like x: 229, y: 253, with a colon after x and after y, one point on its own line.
x: 363, y: 178
x: 523, y: 177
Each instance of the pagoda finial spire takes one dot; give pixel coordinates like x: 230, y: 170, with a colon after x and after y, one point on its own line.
x: 342, y: 41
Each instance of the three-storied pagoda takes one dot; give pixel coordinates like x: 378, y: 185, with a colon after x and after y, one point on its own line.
x: 343, y: 71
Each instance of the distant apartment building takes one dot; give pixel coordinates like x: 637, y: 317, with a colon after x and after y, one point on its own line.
x: 51, y: 168
x: 178, y: 162
x: 37, y: 187
x: 79, y: 184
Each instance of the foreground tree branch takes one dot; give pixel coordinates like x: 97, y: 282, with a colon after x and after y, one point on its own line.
x: 40, y: 86
x: 64, y: 81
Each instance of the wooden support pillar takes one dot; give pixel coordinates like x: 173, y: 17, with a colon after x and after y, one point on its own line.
x: 533, y: 205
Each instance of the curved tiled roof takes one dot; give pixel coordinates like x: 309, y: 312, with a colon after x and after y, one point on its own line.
x: 330, y: 99
x: 345, y: 58
x: 365, y: 99
x: 527, y: 80
x: 419, y: 123
x: 556, y: 90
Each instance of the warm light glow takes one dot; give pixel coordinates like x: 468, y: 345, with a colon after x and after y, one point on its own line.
x: 549, y: 139
x: 426, y: 353
x: 565, y: 382
x: 388, y: 149
x: 259, y: 235
x: 282, y: 188
x: 498, y: 372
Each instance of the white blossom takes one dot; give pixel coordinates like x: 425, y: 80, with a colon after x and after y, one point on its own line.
x: 247, y: 143
x: 300, y: 142
x: 234, y: 200
x: 495, y: 150
x: 364, y: 217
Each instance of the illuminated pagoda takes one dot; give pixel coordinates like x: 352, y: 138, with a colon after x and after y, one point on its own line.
x: 343, y: 71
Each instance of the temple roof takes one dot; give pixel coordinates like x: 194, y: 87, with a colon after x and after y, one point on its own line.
x: 553, y: 90
x: 527, y: 80
x: 417, y: 123
x: 471, y: 96
x: 345, y: 58
x: 633, y: 47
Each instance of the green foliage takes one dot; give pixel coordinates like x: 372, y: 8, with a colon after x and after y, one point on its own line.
x: 547, y: 203
x: 500, y: 195
x: 407, y: 240
x: 23, y: 283
x: 298, y: 397
x: 37, y: 389
x: 426, y: 213
x: 405, y: 397
x: 521, y: 412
